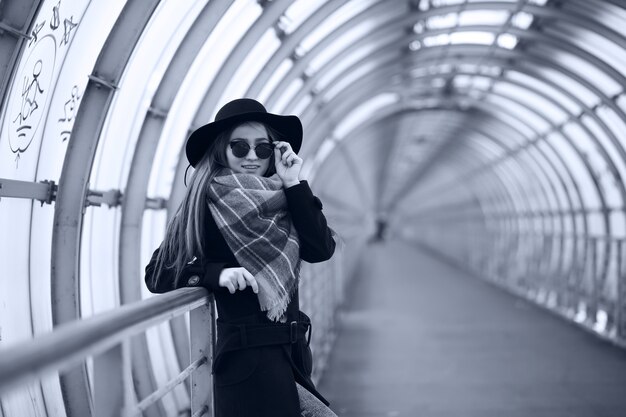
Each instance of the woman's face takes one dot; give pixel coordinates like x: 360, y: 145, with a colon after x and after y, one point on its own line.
x: 253, y: 134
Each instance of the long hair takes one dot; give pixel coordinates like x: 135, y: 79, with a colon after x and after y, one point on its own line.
x: 183, y: 241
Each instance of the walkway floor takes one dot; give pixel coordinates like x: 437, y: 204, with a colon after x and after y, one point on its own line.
x: 419, y: 338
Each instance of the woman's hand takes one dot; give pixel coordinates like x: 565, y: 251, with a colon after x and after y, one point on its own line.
x: 288, y: 164
x: 237, y: 278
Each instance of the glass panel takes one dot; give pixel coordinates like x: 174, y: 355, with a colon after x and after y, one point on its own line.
x: 483, y: 17
x: 301, y: 106
x: 273, y: 81
x: 530, y: 118
x: 495, y: 150
x: 154, y: 51
x: 41, y: 106
x: 595, y: 222
x: 441, y: 3
x: 342, y: 45
x: 532, y: 100
x: 582, y: 68
x: 507, y: 41
x: 621, y: 102
x: 480, y: 38
x: 220, y: 43
x: 520, y: 130
x: 351, y: 77
x: 67, y: 39
x: 462, y: 81
x: 612, y: 195
x: 609, y: 146
x: 595, y: 159
x: 610, y: 15
x: 540, y: 85
x: 362, y: 113
x: 562, y: 173
x: 297, y: 13
x: 512, y: 187
x: 443, y: 21
x: 587, y: 188
x: 500, y: 130
x: 482, y: 83
x: 557, y: 192
x: 574, y: 87
x: 522, y: 20
x: 593, y: 43
x: 528, y: 182
x: 251, y: 66
x: 335, y: 20
x: 99, y: 244
x: 350, y: 57
x: 618, y: 224
x: 546, y: 193
x: 288, y: 94
x: 617, y: 126
x: 437, y: 40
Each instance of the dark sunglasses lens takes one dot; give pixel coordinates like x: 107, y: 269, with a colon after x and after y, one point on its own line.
x: 240, y: 149
x: 264, y: 150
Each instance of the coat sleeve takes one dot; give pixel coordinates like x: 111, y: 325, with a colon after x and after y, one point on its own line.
x: 193, y: 275
x: 316, y: 240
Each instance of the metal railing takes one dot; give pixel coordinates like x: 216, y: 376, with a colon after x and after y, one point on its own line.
x: 106, y: 338
x: 580, y: 277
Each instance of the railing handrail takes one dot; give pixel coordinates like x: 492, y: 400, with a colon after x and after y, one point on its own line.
x: 70, y: 343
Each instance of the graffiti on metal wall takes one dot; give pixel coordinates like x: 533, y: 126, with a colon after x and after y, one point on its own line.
x: 69, y: 112
x: 27, y: 104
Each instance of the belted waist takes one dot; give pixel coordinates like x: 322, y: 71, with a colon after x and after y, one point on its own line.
x: 235, y: 336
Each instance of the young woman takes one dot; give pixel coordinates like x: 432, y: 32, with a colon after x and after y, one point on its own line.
x: 241, y: 231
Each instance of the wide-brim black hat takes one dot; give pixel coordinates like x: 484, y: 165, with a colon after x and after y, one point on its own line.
x: 238, y: 111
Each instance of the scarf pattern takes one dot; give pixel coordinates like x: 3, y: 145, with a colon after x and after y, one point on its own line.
x: 251, y: 213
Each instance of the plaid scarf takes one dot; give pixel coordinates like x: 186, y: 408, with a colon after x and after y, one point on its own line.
x: 251, y: 213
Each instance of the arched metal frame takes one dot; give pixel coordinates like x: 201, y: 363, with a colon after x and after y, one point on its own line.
x: 507, y: 205
x: 542, y: 60
x: 73, y: 188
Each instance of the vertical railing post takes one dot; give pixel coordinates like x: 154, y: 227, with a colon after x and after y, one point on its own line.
x: 594, y: 305
x: 201, y: 345
x: 108, y: 395
x: 621, y: 292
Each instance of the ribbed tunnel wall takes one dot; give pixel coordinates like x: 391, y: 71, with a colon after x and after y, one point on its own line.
x: 491, y: 132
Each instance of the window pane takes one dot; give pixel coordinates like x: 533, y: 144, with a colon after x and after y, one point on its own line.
x: 588, y: 190
x: 582, y: 68
x: 276, y: 77
x: 251, y: 66
x: 610, y: 147
x: 532, y: 100
x: 340, y: 45
x: 335, y: 20
x: 220, y: 43
x: 528, y: 117
x: 483, y: 17
x: 540, y: 85
x: 558, y: 163
x: 566, y: 83
x: 591, y: 42
x: 297, y: 13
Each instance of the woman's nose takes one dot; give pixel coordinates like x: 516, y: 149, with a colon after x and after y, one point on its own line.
x: 252, y: 154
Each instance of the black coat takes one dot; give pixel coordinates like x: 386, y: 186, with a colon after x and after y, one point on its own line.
x: 258, y: 381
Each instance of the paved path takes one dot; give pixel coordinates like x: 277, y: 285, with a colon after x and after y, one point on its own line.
x: 419, y: 338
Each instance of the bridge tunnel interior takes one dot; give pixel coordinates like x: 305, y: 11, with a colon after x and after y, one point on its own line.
x: 491, y: 133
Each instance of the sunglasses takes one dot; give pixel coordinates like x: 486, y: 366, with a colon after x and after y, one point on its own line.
x: 241, y: 148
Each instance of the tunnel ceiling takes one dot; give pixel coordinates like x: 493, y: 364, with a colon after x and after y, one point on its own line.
x: 417, y: 113
x: 411, y: 108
